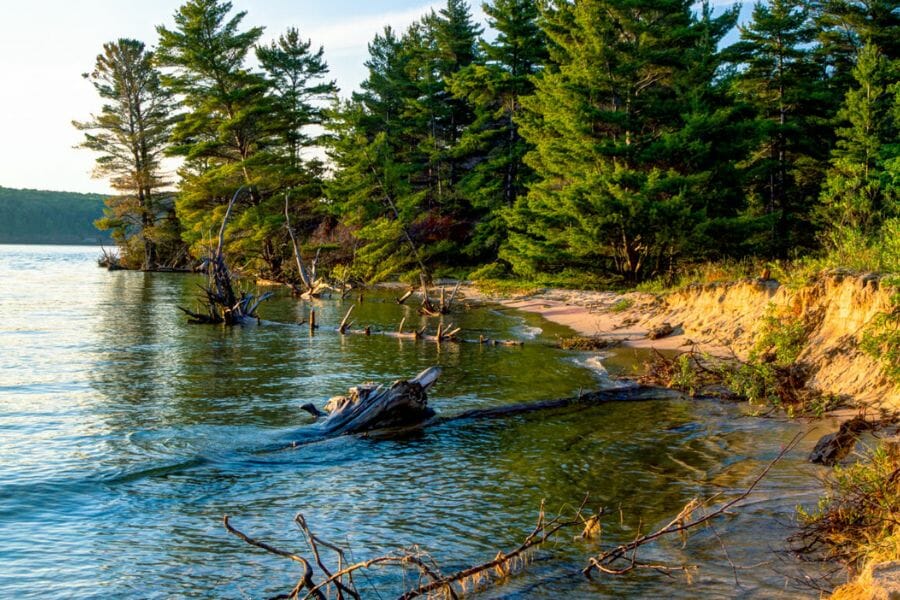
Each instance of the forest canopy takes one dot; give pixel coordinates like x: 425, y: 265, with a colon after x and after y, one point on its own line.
x: 574, y: 142
x: 42, y: 217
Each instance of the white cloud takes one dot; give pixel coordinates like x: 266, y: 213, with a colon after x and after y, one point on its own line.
x: 354, y: 35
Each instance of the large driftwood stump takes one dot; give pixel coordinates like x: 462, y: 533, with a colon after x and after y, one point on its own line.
x: 223, y: 305
x: 369, y: 407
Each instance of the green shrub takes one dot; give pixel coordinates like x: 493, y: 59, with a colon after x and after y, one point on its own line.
x: 858, y: 518
x: 621, y: 305
x: 881, y: 340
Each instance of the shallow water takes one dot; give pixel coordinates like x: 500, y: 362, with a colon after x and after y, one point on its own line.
x: 126, y: 434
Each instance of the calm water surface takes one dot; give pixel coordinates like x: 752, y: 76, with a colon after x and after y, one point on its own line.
x: 126, y: 434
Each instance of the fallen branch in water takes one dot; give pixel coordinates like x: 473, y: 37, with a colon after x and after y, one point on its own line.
x: 461, y: 582
x: 504, y: 564
x: 623, y: 558
x: 617, y: 561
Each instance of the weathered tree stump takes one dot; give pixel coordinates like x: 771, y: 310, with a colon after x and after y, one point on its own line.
x: 369, y: 406
x: 223, y: 305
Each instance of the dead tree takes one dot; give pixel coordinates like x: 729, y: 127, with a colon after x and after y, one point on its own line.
x: 444, y: 305
x: 312, y: 286
x: 223, y: 305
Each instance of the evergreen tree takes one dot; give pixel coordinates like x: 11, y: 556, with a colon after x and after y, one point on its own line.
x: 224, y: 126
x: 296, y: 76
x: 298, y: 93
x: 845, y: 26
x: 784, y: 84
x: 492, y: 146
x: 451, y: 44
x: 130, y: 134
x: 859, y: 193
x: 375, y: 146
x: 616, y: 190
x: 394, y: 148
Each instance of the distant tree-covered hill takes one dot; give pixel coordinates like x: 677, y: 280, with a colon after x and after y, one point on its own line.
x: 42, y: 217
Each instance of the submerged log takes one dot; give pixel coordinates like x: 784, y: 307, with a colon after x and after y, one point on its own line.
x: 369, y: 407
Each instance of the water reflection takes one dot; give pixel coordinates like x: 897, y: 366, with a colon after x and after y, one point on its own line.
x: 125, y: 434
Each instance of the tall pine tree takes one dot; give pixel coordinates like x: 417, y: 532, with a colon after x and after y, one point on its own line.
x: 131, y: 133
x: 492, y: 147
x: 860, y: 193
x: 224, y: 125
x: 617, y: 191
x: 781, y: 80
x: 395, y: 148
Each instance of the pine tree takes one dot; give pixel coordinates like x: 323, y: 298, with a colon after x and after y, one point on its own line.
x: 451, y: 44
x: 378, y: 184
x: 131, y: 134
x: 859, y: 193
x: 784, y: 84
x: 224, y: 125
x: 845, y: 26
x: 296, y: 76
x: 298, y: 93
x: 492, y: 144
x: 394, y: 148
x: 616, y: 190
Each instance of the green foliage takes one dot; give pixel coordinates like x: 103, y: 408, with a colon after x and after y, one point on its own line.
x: 40, y: 217
x: 395, y: 148
x: 130, y: 134
x: 780, y: 338
x: 881, y: 339
x: 859, y: 192
x: 685, y: 376
x: 772, y: 374
x: 620, y: 152
x: 780, y: 80
x: 491, y: 144
x: 494, y: 270
x: 858, y: 518
x: 621, y: 305
x: 587, y: 144
x: 244, y: 128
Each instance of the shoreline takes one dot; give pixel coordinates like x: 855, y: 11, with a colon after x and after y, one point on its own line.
x: 724, y: 319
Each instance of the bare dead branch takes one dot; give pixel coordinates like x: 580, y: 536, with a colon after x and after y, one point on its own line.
x: 605, y: 561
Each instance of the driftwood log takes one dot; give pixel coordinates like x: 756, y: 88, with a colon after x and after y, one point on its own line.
x: 404, y: 405
x: 369, y: 406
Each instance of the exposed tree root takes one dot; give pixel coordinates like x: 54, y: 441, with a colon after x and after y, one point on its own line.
x: 223, y: 305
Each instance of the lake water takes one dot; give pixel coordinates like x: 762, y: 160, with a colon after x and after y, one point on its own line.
x: 126, y: 434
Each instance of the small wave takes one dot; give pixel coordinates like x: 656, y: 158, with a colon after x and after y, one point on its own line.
x: 527, y: 331
x: 595, y: 364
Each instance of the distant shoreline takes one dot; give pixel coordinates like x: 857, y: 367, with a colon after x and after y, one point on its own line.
x: 56, y: 243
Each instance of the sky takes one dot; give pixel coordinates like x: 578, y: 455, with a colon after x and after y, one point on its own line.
x: 45, y: 46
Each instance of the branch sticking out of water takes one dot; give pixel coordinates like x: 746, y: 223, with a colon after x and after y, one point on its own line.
x: 617, y: 561
x: 623, y: 559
